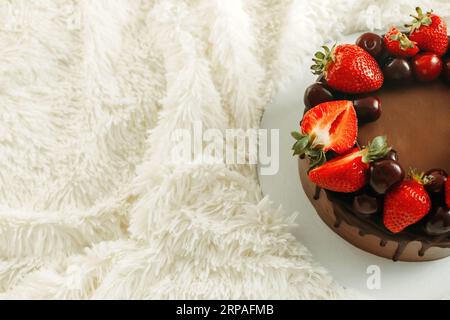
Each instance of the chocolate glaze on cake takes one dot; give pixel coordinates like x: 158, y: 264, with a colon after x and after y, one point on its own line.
x: 415, y: 119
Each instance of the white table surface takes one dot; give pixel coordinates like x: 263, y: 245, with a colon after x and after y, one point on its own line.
x: 346, y: 263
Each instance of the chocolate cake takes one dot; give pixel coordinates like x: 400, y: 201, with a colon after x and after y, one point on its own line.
x: 401, y: 105
x: 430, y: 106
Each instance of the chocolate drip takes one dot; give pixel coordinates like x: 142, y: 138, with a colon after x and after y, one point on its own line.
x: 400, y: 248
x: 343, y: 212
x: 317, y: 193
x: 427, y: 245
x: 441, y: 238
x: 338, y: 222
x: 424, y: 248
x: 339, y: 218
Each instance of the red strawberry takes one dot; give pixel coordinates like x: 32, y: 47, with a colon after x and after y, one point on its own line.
x: 333, y: 124
x: 406, y: 204
x: 348, y: 68
x: 399, y: 44
x: 328, y: 126
x: 349, y: 172
x: 447, y: 193
x: 430, y: 32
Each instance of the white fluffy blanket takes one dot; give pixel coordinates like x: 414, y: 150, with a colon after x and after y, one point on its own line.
x: 91, y: 205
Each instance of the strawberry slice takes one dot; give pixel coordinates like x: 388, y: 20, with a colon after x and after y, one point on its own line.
x: 332, y: 125
x: 349, y: 172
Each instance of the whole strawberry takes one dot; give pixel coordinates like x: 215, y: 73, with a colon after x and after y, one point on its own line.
x: 430, y: 32
x: 406, y: 203
x: 447, y: 193
x: 349, y: 172
x: 348, y: 68
x: 398, y: 44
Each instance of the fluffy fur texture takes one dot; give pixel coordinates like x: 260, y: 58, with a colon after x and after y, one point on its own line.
x: 91, y: 205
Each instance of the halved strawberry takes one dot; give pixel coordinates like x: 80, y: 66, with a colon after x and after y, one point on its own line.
x: 406, y: 203
x: 328, y: 126
x: 332, y: 125
x: 349, y: 172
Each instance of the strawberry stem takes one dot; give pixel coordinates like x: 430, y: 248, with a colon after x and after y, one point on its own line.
x: 422, y: 19
x: 304, y: 145
x: 376, y: 149
x: 419, y: 177
x: 301, y: 144
x: 321, y: 60
x: 405, y: 42
x: 316, y: 157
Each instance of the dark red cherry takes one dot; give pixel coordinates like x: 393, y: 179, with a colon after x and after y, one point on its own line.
x: 365, y: 204
x: 438, y: 179
x: 391, y: 155
x: 371, y: 42
x: 316, y: 94
x: 397, y: 71
x: 439, y: 222
x: 427, y: 66
x: 446, y: 70
x: 368, y: 109
x: 384, y: 56
x: 384, y: 174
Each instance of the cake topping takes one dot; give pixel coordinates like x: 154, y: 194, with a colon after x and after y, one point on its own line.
x: 316, y: 94
x: 398, y: 44
x: 427, y: 66
x: 391, y: 155
x: 429, y: 31
x: 406, y: 203
x: 436, y: 185
x: 368, y: 109
x: 384, y: 174
x: 398, y: 71
x: 348, y: 68
x: 349, y: 172
x: 328, y: 126
x: 372, y: 43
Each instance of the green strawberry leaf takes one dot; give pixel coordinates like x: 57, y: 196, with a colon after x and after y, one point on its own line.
x: 376, y: 149
x: 422, y: 19
x: 317, y: 158
x: 304, y: 146
x: 296, y: 135
x: 301, y: 145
